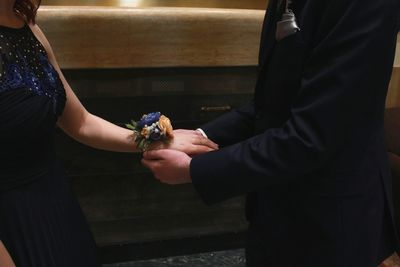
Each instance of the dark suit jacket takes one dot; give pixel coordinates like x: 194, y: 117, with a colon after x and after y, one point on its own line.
x: 310, y: 148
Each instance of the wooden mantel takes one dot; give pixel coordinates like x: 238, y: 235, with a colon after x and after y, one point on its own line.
x: 120, y: 37
x: 114, y: 37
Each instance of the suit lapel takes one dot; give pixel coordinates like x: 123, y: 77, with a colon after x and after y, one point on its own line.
x: 267, y: 43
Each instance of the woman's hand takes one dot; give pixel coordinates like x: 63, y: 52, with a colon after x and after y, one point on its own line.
x: 188, y: 141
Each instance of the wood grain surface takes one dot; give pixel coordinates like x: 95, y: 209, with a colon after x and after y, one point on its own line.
x: 98, y: 37
x: 247, y: 4
x: 393, y: 98
x: 116, y: 37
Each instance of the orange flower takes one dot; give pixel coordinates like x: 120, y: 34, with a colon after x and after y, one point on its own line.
x: 145, y: 132
x: 165, y: 126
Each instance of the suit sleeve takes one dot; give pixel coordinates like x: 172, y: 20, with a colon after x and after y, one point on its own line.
x: 348, y: 66
x: 231, y: 127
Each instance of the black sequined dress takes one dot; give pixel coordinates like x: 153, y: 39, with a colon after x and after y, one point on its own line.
x: 41, y: 223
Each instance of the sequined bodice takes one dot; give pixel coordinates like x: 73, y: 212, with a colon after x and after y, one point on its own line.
x: 24, y: 64
x: 32, y: 97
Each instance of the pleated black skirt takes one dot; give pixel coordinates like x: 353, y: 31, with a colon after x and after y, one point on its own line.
x: 42, y: 225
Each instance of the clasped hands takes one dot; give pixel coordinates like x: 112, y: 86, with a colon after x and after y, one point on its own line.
x: 170, y: 162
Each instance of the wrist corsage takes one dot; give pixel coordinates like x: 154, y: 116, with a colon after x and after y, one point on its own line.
x: 152, y: 127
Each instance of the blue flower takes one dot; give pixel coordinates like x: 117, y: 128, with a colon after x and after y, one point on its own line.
x: 149, y: 119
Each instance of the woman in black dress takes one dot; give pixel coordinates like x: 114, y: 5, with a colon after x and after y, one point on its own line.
x: 41, y: 223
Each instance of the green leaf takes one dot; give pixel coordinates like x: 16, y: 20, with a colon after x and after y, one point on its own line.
x: 142, y: 144
x: 130, y: 126
x: 134, y: 123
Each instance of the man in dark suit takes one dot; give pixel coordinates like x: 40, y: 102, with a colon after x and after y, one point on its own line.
x: 309, y: 150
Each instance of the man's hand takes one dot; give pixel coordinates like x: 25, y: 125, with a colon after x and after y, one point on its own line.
x: 168, y: 166
x: 188, y: 141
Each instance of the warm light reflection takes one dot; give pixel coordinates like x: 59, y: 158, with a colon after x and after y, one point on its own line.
x: 131, y: 3
x: 247, y: 4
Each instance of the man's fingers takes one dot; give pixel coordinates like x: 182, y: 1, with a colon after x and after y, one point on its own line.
x: 199, y: 149
x: 212, y: 144
x: 153, y: 166
x: 146, y: 163
x: 206, y: 142
x: 154, y: 154
x: 150, y: 164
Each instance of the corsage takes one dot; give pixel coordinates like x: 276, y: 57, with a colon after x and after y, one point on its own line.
x: 151, y: 128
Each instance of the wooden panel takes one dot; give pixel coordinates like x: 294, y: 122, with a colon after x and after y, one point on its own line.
x: 393, y: 99
x: 248, y: 4
x: 122, y: 201
x: 100, y: 37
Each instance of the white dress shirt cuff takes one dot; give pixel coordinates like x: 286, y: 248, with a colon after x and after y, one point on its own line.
x: 202, y: 132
